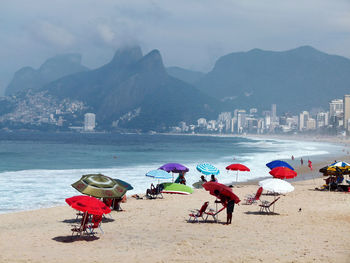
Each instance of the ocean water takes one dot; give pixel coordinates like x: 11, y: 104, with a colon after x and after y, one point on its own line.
x: 37, y: 169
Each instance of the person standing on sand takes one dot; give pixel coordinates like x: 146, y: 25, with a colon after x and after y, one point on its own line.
x: 309, y: 164
x: 301, y: 161
x: 292, y: 157
x: 226, y: 202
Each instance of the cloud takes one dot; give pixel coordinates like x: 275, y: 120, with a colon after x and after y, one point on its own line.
x: 189, y: 33
x: 52, y: 34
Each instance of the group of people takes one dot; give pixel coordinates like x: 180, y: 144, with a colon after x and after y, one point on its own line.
x: 212, y: 179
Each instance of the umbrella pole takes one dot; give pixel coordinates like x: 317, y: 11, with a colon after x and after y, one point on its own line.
x: 237, y: 176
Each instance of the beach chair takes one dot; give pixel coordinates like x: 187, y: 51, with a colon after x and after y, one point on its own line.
x: 155, y: 191
x: 198, y: 213
x: 96, y: 223
x: 265, y: 205
x: 82, y: 228
x: 214, y: 214
x: 251, y: 199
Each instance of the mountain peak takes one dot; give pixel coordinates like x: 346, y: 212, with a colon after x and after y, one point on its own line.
x: 127, y: 55
x: 52, y: 69
x: 62, y: 59
x: 153, y: 60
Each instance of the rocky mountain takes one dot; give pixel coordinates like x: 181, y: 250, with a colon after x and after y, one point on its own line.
x: 134, y: 91
x: 186, y: 75
x: 52, y: 69
x: 296, y: 79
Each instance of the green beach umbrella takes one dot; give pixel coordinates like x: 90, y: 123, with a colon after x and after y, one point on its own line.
x: 99, y: 185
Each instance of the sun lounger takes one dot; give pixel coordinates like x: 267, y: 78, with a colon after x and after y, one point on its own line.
x: 198, y: 213
x: 265, y: 205
x: 251, y: 199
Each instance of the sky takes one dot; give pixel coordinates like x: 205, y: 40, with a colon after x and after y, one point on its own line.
x: 191, y: 34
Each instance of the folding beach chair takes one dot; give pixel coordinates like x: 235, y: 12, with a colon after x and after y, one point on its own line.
x: 265, y: 206
x: 198, y: 213
x: 96, y: 223
x: 251, y: 199
x: 214, y: 214
x: 155, y: 192
x: 82, y: 228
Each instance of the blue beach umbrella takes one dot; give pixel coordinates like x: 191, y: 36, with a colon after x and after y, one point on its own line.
x: 159, y: 174
x: 207, y: 169
x: 125, y: 184
x: 279, y: 163
x: 340, y: 164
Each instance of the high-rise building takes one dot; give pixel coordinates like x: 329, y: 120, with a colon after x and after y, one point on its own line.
x: 346, y: 107
x: 336, y: 108
x: 321, y: 119
x: 311, y: 124
x: 89, y: 121
x: 225, y: 119
x: 201, y: 122
x: 303, y: 118
x: 241, y: 120
x: 273, y: 113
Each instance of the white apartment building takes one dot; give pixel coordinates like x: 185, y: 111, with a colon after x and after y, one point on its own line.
x: 89, y: 121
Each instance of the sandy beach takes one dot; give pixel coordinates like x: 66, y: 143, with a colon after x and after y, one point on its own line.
x: 157, y: 231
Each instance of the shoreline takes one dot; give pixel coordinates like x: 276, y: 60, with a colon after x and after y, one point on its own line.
x: 157, y: 231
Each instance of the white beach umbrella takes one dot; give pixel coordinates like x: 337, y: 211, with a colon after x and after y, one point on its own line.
x: 276, y: 185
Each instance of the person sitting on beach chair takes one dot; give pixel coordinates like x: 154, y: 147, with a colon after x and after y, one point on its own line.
x: 155, y: 191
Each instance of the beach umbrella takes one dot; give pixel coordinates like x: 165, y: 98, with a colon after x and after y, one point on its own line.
x: 159, y: 174
x: 124, y: 184
x: 237, y: 167
x: 279, y: 163
x: 222, y: 189
x: 174, y: 168
x: 207, y: 169
x: 277, y: 186
x: 99, y: 185
x: 88, y: 204
x: 283, y: 173
x: 340, y: 165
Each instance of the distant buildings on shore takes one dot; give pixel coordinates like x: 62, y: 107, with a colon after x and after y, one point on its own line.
x: 335, y: 121
x: 89, y: 122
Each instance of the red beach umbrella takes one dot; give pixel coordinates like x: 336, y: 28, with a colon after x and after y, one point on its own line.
x: 237, y: 167
x: 88, y: 204
x: 223, y: 190
x: 283, y: 173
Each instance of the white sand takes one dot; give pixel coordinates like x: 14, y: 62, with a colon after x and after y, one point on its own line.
x: 157, y: 231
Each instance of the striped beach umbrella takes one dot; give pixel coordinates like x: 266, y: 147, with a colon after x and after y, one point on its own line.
x: 207, y: 169
x: 340, y: 165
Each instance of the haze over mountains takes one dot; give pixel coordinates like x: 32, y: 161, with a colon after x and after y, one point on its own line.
x: 295, y: 80
x: 52, y: 69
x: 136, y: 91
